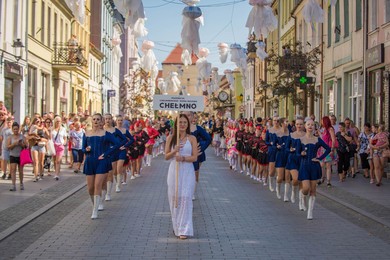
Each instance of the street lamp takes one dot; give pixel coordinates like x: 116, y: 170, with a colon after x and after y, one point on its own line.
x: 102, y: 95
x: 18, y: 45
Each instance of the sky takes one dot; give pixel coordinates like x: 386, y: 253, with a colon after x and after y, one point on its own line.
x: 224, y: 21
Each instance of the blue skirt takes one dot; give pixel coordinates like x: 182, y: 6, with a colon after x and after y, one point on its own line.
x: 271, y: 154
x: 309, y: 170
x: 94, y: 166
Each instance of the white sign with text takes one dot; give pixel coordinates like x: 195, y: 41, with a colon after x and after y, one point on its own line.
x: 178, y: 103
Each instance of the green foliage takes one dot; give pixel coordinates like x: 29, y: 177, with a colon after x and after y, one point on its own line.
x: 286, y: 70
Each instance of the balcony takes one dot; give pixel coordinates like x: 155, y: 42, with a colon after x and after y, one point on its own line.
x: 69, y: 57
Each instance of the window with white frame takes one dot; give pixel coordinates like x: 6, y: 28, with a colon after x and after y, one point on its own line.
x: 373, y: 14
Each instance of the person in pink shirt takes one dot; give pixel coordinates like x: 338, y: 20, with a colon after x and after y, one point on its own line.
x: 153, y: 134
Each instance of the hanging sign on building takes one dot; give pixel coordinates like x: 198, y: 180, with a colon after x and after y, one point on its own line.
x: 375, y: 55
x: 178, y: 103
x: 111, y: 92
x: 13, y: 70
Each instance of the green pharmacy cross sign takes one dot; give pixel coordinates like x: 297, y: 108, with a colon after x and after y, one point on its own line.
x: 303, y: 80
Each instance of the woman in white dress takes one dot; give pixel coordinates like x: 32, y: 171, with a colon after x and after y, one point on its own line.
x: 183, y: 156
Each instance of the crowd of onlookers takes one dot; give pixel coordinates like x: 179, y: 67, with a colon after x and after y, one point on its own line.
x: 46, y: 142
x: 353, y: 149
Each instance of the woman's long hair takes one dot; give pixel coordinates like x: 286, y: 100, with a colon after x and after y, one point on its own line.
x: 326, y: 122
x: 174, y: 135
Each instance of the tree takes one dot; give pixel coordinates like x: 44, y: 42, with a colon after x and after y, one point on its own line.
x: 290, y: 67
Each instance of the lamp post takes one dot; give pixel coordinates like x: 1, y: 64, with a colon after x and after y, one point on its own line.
x: 18, y: 45
x: 102, y: 95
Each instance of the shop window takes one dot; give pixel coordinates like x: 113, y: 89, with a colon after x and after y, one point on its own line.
x: 9, y: 95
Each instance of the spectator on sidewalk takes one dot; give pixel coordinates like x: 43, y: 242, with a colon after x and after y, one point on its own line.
x: 364, y: 151
x: 38, y: 137
x: 5, y: 133
x: 378, y: 144
x: 335, y: 125
x: 59, y: 137
x: 15, y: 143
x: 76, y: 138
x: 25, y: 127
x: 48, y: 156
x: 354, y: 132
x: 343, y: 138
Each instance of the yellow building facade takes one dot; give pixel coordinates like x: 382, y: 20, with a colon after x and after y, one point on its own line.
x: 57, y: 62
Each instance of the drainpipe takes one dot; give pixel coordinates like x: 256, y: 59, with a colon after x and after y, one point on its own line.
x: 295, y: 40
x: 365, y: 74
x: 26, y: 50
x: 322, y: 66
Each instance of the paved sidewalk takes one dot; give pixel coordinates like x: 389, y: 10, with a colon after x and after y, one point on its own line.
x: 363, y: 197
x: 19, y: 207
x: 233, y: 218
x: 10, y: 198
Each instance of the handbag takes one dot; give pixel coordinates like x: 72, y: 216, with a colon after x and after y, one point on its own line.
x: 50, y: 148
x: 25, y: 157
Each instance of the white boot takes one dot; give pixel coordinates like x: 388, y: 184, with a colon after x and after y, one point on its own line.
x: 271, y: 188
x: 302, y: 201
x: 101, y: 206
x: 109, y: 189
x: 278, y: 190
x: 118, y: 183
x: 96, y: 202
x: 293, y: 193
x: 286, y: 190
x: 312, y: 200
x: 193, y: 196
x: 149, y: 159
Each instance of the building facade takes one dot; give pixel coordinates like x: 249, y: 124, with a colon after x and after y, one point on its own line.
x: 13, y: 57
x: 377, y: 61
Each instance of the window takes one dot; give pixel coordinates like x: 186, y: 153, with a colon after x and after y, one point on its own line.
x: 359, y: 14
x: 32, y: 82
x: 387, y: 6
x: 16, y: 19
x: 9, y: 94
x: 55, y: 27
x: 329, y: 25
x: 346, y: 18
x: 48, y: 27
x: 33, y: 11
x: 373, y: 13
x: 66, y: 32
x: 355, y: 98
x: 42, y: 22
x: 337, y: 30
x: 61, y: 32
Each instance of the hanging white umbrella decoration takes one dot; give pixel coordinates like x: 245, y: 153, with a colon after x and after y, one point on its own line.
x: 162, y: 85
x: 214, y: 84
x: 229, y: 77
x: 139, y: 29
x: 204, y: 68
x: 223, y: 50
x: 78, y: 9
x: 313, y: 13
x: 260, y: 50
x: 173, y: 82
x: 261, y: 19
x: 148, y: 60
x: 186, y: 58
x: 134, y: 14
x: 190, y: 39
x: 238, y: 56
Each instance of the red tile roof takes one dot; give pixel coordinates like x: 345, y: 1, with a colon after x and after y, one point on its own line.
x: 175, y: 56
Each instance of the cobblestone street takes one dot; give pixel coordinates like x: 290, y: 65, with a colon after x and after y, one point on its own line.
x: 234, y: 218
